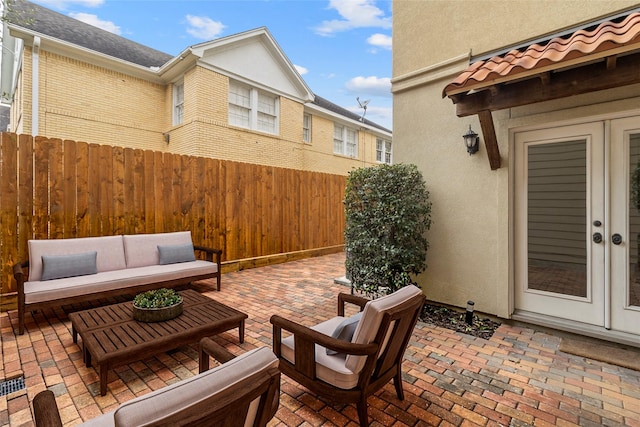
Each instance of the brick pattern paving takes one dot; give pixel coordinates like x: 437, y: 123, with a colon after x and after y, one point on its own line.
x: 517, y: 378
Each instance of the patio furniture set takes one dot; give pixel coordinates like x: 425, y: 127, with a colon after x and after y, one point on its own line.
x: 344, y: 359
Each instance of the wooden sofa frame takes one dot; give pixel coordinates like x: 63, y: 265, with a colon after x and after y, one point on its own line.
x: 20, y: 273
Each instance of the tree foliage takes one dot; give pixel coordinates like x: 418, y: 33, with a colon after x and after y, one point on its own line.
x: 387, y: 215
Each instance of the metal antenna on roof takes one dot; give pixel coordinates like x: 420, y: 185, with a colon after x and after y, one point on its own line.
x: 363, y: 105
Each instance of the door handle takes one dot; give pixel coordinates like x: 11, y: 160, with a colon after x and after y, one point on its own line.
x: 597, y: 238
x: 616, y: 239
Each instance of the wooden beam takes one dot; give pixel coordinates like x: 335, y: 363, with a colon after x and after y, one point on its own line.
x: 589, y: 78
x: 490, y: 140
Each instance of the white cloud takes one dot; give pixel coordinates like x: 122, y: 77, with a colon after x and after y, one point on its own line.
x: 64, y: 4
x: 91, y: 19
x: 355, y: 14
x: 380, y: 40
x: 203, y: 27
x: 376, y: 86
x: 301, y: 70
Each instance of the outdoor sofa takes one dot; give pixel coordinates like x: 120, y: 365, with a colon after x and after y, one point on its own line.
x: 69, y: 271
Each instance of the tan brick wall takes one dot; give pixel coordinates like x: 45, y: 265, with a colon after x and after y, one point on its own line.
x: 319, y: 155
x: 121, y: 110
x: 88, y: 103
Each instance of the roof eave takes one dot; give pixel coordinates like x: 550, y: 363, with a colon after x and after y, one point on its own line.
x: 80, y: 53
x: 335, y: 116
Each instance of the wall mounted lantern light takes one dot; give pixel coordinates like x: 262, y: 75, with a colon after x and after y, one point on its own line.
x: 471, y: 140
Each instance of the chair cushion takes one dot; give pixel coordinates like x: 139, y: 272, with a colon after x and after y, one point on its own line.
x: 329, y: 368
x: 344, y: 331
x: 109, y: 248
x: 141, y: 250
x: 157, y: 405
x: 372, y: 318
x: 173, y: 254
x: 61, y: 266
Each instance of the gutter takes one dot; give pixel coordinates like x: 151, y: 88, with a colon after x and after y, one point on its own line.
x: 35, y: 89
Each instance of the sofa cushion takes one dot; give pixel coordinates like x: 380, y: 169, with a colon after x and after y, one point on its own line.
x: 38, y: 291
x: 110, y: 252
x: 152, y: 408
x: 60, y: 266
x: 141, y: 250
x: 173, y: 254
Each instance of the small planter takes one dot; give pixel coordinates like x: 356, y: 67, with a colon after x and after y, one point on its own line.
x: 157, y: 314
x: 157, y: 306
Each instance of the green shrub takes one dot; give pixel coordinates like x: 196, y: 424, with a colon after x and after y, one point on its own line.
x: 387, y: 215
x: 157, y: 298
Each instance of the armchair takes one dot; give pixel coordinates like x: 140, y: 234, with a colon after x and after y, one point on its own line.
x: 363, y: 364
x: 243, y: 391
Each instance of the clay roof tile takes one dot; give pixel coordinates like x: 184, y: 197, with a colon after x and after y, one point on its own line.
x: 581, y: 46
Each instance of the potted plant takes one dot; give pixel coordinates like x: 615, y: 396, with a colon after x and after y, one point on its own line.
x: 157, y: 305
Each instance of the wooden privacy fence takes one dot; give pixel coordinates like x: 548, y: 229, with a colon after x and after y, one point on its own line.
x: 51, y: 188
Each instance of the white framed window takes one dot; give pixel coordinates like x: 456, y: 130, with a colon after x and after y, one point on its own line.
x: 345, y: 140
x: 383, y: 150
x: 253, y: 109
x: 178, y: 103
x: 306, y: 128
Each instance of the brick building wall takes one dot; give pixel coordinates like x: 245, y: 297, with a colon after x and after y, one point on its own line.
x: 85, y: 102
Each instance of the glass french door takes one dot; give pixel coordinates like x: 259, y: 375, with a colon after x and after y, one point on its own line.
x: 577, y: 223
x: 625, y: 225
x: 559, y: 209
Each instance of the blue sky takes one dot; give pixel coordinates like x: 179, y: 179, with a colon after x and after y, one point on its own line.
x: 342, y: 48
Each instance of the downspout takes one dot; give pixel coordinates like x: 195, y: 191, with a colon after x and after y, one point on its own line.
x: 35, y: 86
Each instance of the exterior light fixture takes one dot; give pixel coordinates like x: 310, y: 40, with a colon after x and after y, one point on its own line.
x: 468, y: 316
x: 471, y: 140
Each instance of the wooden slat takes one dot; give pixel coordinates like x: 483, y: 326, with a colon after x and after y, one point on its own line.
x: 139, y: 193
x: 118, y: 186
x: 56, y: 190
x: 41, y: 188
x: 176, y: 193
x: 8, y: 202
x: 232, y: 196
x: 25, y: 197
x: 69, y: 189
x: 158, y: 191
x: 107, y: 226
x: 93, y: 189
x: 149, y: 192
x: 187, y: 194
x: 82, y: 189
x: 129, y: 190
x: 197, y: 211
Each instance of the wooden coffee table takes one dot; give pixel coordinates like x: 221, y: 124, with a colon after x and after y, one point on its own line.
x: 110, y: 336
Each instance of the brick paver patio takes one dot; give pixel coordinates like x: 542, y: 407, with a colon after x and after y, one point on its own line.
x: 517, y: 378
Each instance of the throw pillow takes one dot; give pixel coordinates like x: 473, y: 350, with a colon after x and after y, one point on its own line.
x: 61, y: 266
x: 344, y: 331
x: 172, y: 254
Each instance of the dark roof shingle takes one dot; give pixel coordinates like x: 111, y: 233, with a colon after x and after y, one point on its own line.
x: 48, y: 22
